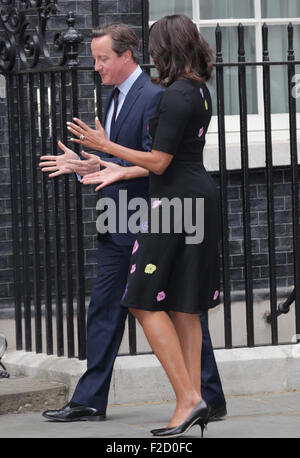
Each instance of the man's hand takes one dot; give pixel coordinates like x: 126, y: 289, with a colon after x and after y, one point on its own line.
x: 60, y: 165
x: 91, y: 164
x: 112, y: 173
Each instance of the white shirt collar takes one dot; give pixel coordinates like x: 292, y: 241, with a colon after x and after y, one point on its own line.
x: 126, y: 85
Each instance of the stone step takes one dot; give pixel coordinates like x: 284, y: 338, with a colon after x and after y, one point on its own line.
x: 30, y: 394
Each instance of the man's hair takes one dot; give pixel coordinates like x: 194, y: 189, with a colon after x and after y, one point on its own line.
x: 123, y: 38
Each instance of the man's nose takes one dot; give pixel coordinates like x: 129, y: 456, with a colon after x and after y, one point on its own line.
x: 97, y: 66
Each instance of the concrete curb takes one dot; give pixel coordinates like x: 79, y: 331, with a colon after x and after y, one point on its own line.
x: 29, y: 394
x: 141, y: 378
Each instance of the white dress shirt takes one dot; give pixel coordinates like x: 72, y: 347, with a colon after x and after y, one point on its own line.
x: 124, y: 88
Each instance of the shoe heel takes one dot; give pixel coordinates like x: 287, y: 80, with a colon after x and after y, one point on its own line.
x: 96, y: 418
x: 203, y: 426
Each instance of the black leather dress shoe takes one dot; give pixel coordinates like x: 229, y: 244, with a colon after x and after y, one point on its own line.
x: 75, y: 413
x: 216, y: 413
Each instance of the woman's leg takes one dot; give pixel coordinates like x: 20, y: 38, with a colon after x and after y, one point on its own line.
x: 164, y: 341
x: 189, y: 331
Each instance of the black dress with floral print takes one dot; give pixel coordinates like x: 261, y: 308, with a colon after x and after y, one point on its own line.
x: 168, y: 270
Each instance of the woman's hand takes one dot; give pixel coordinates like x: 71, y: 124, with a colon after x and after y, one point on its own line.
x: 60, y: 164
x: 90, y: 138
x: 112, y: 173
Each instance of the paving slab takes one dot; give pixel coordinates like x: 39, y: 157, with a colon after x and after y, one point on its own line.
x: 275, y: 415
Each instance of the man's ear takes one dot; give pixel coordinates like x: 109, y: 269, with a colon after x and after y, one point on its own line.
x: 127, y: 55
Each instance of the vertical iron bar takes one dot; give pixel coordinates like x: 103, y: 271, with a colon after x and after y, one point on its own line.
x: 98, y: 96
x: 97, y: 79
x: 295, y: 174
x: 67, y: 226
x: 13, y: 152
x: 24, y: 215
x: 35, y: 215
x: 132, y: 334
x: 80, y: 276
x: 223, y: 190
x: 45, y: 217
x: 57, y: 242
x: 95, y: 13
x: 245, y: 190
x: 270, y: 185
x: 145, y: 31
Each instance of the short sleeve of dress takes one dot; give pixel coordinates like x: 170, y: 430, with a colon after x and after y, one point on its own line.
x: 174, y: 112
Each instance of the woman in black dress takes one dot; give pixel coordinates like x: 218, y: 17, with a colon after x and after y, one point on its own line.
x: 171, y: 271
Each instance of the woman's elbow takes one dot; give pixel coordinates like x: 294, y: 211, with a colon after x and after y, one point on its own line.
x: 159, y: 169
x: 160, y: 162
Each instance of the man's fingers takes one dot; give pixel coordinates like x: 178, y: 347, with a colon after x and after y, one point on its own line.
x: 47, y: 164
x: 48, y: 158
x: 56, y: 174
x: 62, y: 146
x: 85, y: 154
x: 49, y: 169
x: 75, y: 161
x: 104, y: 163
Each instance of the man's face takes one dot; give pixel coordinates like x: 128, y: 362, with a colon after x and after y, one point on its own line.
x: 110, y: 66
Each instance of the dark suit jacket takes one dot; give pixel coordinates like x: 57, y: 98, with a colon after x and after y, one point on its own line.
x: 131, y: 130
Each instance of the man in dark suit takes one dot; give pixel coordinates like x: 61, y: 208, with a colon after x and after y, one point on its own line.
x: 127, y: 113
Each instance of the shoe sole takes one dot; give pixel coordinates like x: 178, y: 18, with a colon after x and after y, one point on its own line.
x: 69, y: 420
x: 180, y: 434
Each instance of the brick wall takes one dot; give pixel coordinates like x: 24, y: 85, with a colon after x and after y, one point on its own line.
x: 259, y: 229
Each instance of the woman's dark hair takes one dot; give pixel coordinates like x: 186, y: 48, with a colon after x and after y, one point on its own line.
x: 123, y: 38
x: 179, y: 50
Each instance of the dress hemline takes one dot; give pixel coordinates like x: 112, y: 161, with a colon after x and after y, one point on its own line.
x: 166, y: 309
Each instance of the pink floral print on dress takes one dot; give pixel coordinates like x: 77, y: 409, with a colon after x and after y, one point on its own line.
x: 201, y: 132
x: 133, y: 269
x: 135, y: 247
x: 156, y: 203
x: 161, y: 296
x: 216, y: 295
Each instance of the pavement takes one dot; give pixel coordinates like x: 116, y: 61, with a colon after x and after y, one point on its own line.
x: 265, y: 415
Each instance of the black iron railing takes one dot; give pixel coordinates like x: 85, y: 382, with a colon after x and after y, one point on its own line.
x: 47, y: 215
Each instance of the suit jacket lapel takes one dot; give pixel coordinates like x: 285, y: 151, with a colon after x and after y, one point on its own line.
x: 129, y: 101
x: 107, y: 105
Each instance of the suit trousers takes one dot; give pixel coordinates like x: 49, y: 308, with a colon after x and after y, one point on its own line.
x: 105, y: 328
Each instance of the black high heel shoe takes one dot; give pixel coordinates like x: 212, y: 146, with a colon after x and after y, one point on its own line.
x: 199, y: 415
x: 202, y: 424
